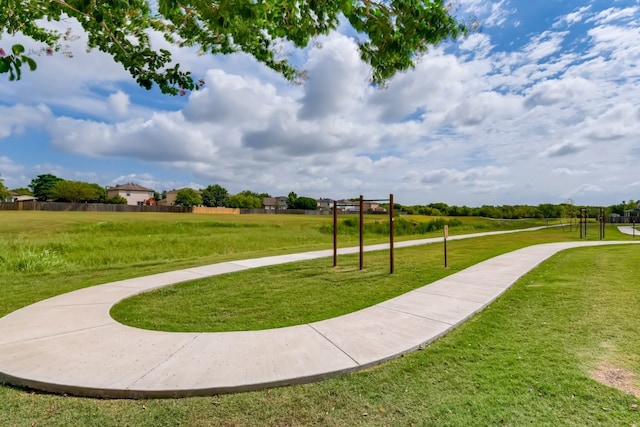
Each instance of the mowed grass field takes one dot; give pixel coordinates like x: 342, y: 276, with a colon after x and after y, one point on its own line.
x: 538, y: 356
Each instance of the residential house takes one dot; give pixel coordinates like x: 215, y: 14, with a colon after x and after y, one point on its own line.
x: 348, y: 206
x: 170, y: 199
x: 325, y: 204
x: 370, y: 206
x: 15, y: 197
x: 134, y: 194
x: 273, y: 203
x: 632, y: 215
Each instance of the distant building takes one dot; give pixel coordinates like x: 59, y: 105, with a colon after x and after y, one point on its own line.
x: 273, y: 203
x: 170, y: 199
x: 134, y: 194
x: 632, y: 215
x: 15, y: 197
x: 348, y: 206
x: 325, y: 204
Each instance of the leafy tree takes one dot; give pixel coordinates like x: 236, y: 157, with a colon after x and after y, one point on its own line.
x: 116, y: 200
x: 42, y: 186
x: 188, y: 197
x: 4, y: 192
x: 291, y: 200
x: 548, y: 210
x: 443, y: 208
x: 393, y: 33
x: 570, y: 211
x: 618, y: 209
x: 215, y: 196
x: 23, y: 191
x: 74, y: 191
x: 100, y: 194
x: 306, y: 203
x: 246, y: 199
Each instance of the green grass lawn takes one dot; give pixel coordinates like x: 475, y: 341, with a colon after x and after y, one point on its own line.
x: 43, y: 254
x: 298, y: 293
x: 528, y: 359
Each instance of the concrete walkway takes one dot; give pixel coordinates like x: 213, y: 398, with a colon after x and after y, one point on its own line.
x: 70, y: 344
x: 627, y: 229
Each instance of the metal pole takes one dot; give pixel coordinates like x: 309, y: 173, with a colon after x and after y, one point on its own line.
x: 335, y: 233
x: 361, y: 232
x: 391, y: 258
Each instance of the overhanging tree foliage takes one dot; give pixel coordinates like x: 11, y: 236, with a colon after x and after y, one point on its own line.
x: 392, y: 32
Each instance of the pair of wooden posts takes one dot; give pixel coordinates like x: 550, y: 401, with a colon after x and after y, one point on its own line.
x: 361, y: 224
x: 583, y: 223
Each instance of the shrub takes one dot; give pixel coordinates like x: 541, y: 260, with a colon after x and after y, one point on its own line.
x: 32, y: 261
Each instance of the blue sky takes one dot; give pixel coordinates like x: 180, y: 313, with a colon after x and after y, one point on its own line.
x: 539, y: 106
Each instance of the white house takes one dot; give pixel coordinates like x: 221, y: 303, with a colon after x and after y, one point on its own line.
x: 134, y: 194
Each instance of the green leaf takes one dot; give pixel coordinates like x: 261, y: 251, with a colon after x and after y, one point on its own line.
x: 17, y: 49
x: 31, y: 62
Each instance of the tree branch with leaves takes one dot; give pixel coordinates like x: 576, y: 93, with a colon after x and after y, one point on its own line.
x: 392, y: 33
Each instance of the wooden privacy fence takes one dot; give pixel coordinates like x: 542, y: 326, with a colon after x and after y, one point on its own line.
x: 102, y: 207
x: 87, y: 207
x: 208, y: 210
x: 246, y: 211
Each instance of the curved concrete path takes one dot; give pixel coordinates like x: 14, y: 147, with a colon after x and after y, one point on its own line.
x: 70, y: 344
x: 627, y: 229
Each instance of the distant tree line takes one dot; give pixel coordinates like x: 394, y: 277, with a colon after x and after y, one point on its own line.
x: 217, y: 196
x: 50, y: 187
x: 546, y: 210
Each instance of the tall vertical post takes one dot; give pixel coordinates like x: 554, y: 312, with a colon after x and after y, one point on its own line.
x: 335, y: 233
x: 580, y: 223
x: 446, y: 236
x: 361, y: 232
x: 391, y: 236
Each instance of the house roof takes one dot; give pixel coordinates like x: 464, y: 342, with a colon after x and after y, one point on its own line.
x: 130, y: 186
x: 184, y: 188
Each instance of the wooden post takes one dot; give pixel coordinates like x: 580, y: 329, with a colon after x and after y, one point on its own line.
x: 335, y: 233
x: 391, y: 236
x: 446, y: 236
x: 361, y: 232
